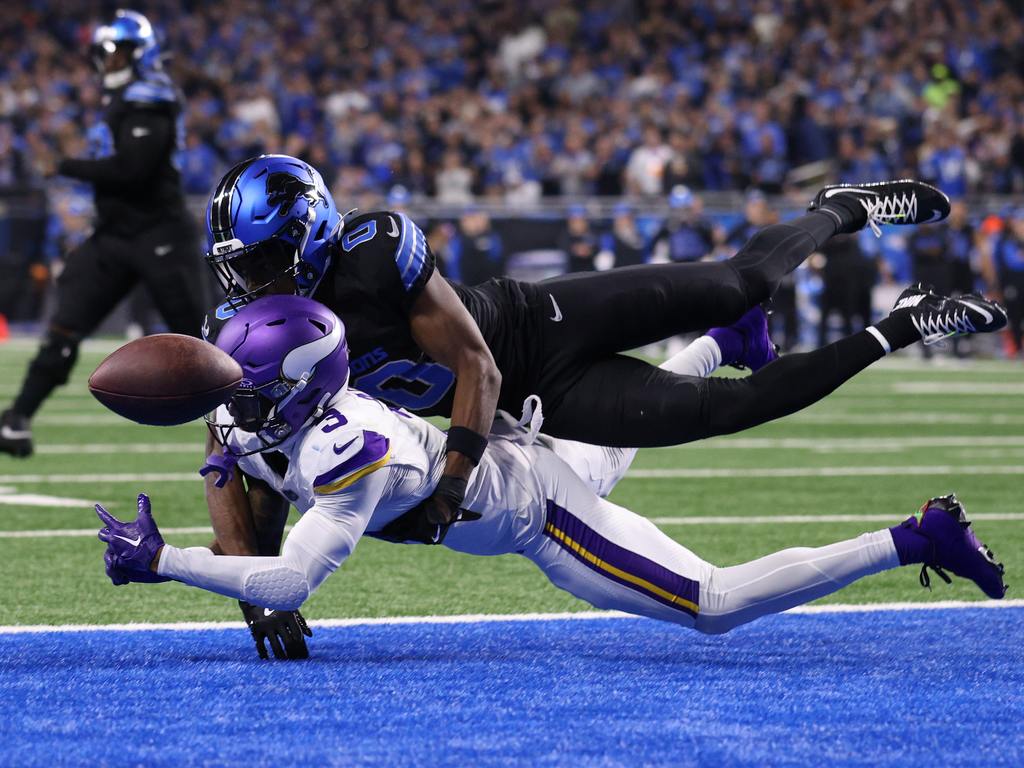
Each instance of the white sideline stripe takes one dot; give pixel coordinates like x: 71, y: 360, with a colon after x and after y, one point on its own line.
x: 890, y: 418
x: 700, y: 473
x: 773, y: 472
x: 763, y: 519
x: 73, y: 533
x: 977, y: 388
x: 851, y: 444
x: 487, y: 618
x: 144, y: 448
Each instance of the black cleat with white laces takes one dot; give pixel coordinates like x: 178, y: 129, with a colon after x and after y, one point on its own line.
x: 15, y: 435
x: 937, y: 317
x: 903, y: 201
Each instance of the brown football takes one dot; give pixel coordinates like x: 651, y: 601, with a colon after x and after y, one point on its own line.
x: 165, y: 379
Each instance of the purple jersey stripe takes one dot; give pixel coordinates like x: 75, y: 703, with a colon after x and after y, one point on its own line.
x: 375, y: 447
x: 619, y: 564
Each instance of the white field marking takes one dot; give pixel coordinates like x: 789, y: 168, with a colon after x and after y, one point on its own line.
x: 85, y: 533
x: 127, y: 477
x: 856, y: 444
x: 823, y: 445
x: 890, y: 418
x: 700, y: 473
x: 771, y: 519
x: 143, y: 448
x: 9, y: 495
x: 31, y: 344
x: 489, y: 618
x: 705, y: 473
x: 74, y: 533
x: 977, y: 388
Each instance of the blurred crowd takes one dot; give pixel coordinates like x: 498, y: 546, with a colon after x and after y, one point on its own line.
x: 460, y: 98
x: 462, y: 102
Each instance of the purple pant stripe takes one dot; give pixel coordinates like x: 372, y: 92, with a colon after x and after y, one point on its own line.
x: 621, y: 559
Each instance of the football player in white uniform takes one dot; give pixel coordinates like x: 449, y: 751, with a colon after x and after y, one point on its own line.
x: 353, y: 467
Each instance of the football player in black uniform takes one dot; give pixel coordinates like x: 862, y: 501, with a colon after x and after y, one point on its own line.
x: 142, y: 231
x: 432, y: 347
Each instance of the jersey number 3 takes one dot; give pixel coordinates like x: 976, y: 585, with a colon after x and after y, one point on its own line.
x: 416, y: 386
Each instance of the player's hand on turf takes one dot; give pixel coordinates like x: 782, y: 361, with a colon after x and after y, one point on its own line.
x: 286, y: 631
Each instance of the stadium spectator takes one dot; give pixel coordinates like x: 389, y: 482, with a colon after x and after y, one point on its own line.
x: 685, y: 235
x: 624, y: 241
x: 579, y: 242
x: 847, y: 276
x: 475, y: 252
x: 1008, y: 260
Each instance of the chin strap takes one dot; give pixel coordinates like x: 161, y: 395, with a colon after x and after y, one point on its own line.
x: 223, y: 464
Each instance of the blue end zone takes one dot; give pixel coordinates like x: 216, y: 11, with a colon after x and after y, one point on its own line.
x: 874, y: 689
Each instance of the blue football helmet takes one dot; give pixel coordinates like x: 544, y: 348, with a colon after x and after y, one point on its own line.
x: 271, y: 217
x: 131, y: 30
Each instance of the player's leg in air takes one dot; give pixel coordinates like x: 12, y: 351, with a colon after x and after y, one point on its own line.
x: 749, y: 346
x: 594, y: 395
x: 91, y: 285
x: 617, y: 560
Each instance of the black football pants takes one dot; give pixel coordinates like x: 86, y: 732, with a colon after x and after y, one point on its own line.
x: 594, y: 394
x: 96, y: 277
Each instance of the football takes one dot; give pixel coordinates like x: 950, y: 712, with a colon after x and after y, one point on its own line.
x: 165, y: 379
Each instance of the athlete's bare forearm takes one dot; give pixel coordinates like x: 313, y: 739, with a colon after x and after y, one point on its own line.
x: 230, y: 512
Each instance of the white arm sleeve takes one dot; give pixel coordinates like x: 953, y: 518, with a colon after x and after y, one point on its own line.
x: 315, y: 548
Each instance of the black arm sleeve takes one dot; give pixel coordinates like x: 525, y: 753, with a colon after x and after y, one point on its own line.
x: 141, y: 144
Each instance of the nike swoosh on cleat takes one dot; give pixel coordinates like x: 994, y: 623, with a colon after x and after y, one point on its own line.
x: 839, y: 190
x: 979, y: 309
x: 14, y: 434
x: 936, y: 216
x: 133, y: 542
x: 268, y: 611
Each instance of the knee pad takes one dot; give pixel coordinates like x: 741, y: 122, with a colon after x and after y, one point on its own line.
x: 282, y: 588
x: 57, y: 355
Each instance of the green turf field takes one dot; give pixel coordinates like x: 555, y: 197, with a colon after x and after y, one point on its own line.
x: 900, y: 433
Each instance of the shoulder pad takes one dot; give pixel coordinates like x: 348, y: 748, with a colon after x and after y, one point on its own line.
x: 410, y: 249
x: 215, y: 319
x: 152, y: 90
x: 351, y: 455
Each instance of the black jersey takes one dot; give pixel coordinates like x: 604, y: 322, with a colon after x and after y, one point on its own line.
x: 133, y: 164
x: 381, y: 266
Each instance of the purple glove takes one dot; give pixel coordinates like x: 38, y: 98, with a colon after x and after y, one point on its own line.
x: 223, y: 464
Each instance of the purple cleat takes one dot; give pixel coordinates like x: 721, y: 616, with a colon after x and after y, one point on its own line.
x: 131, y: 547
x: 746, y: 343
x: 952, y: 546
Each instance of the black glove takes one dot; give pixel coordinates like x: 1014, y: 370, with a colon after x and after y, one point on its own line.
x: 284, y: 630
x: 428, y: 522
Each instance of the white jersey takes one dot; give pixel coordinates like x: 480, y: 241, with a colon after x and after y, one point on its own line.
x: 401, y: 458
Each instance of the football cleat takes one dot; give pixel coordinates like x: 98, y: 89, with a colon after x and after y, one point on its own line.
x: 132, y: 546
x: 955, y: 547
x: 903, y: 201
x: 747, y: 342
x: 15, y: 435
x: 937, y: 317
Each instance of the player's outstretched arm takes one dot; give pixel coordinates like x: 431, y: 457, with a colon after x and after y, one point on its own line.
x: 444, y: 329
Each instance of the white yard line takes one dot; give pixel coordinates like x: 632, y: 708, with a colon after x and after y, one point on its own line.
x: 192, y: 626
x: 72, y: 533
x: 706, y: 473
x: 695, y: 473
x: 818, y: 445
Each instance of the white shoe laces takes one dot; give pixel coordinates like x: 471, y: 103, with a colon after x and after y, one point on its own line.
x: 889, y: 209
x: 936, y: 326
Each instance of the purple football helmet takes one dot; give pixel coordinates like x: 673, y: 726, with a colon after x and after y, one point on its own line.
x: 294, y: 360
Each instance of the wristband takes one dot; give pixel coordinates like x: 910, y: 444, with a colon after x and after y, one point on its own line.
x: 467, y: 442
